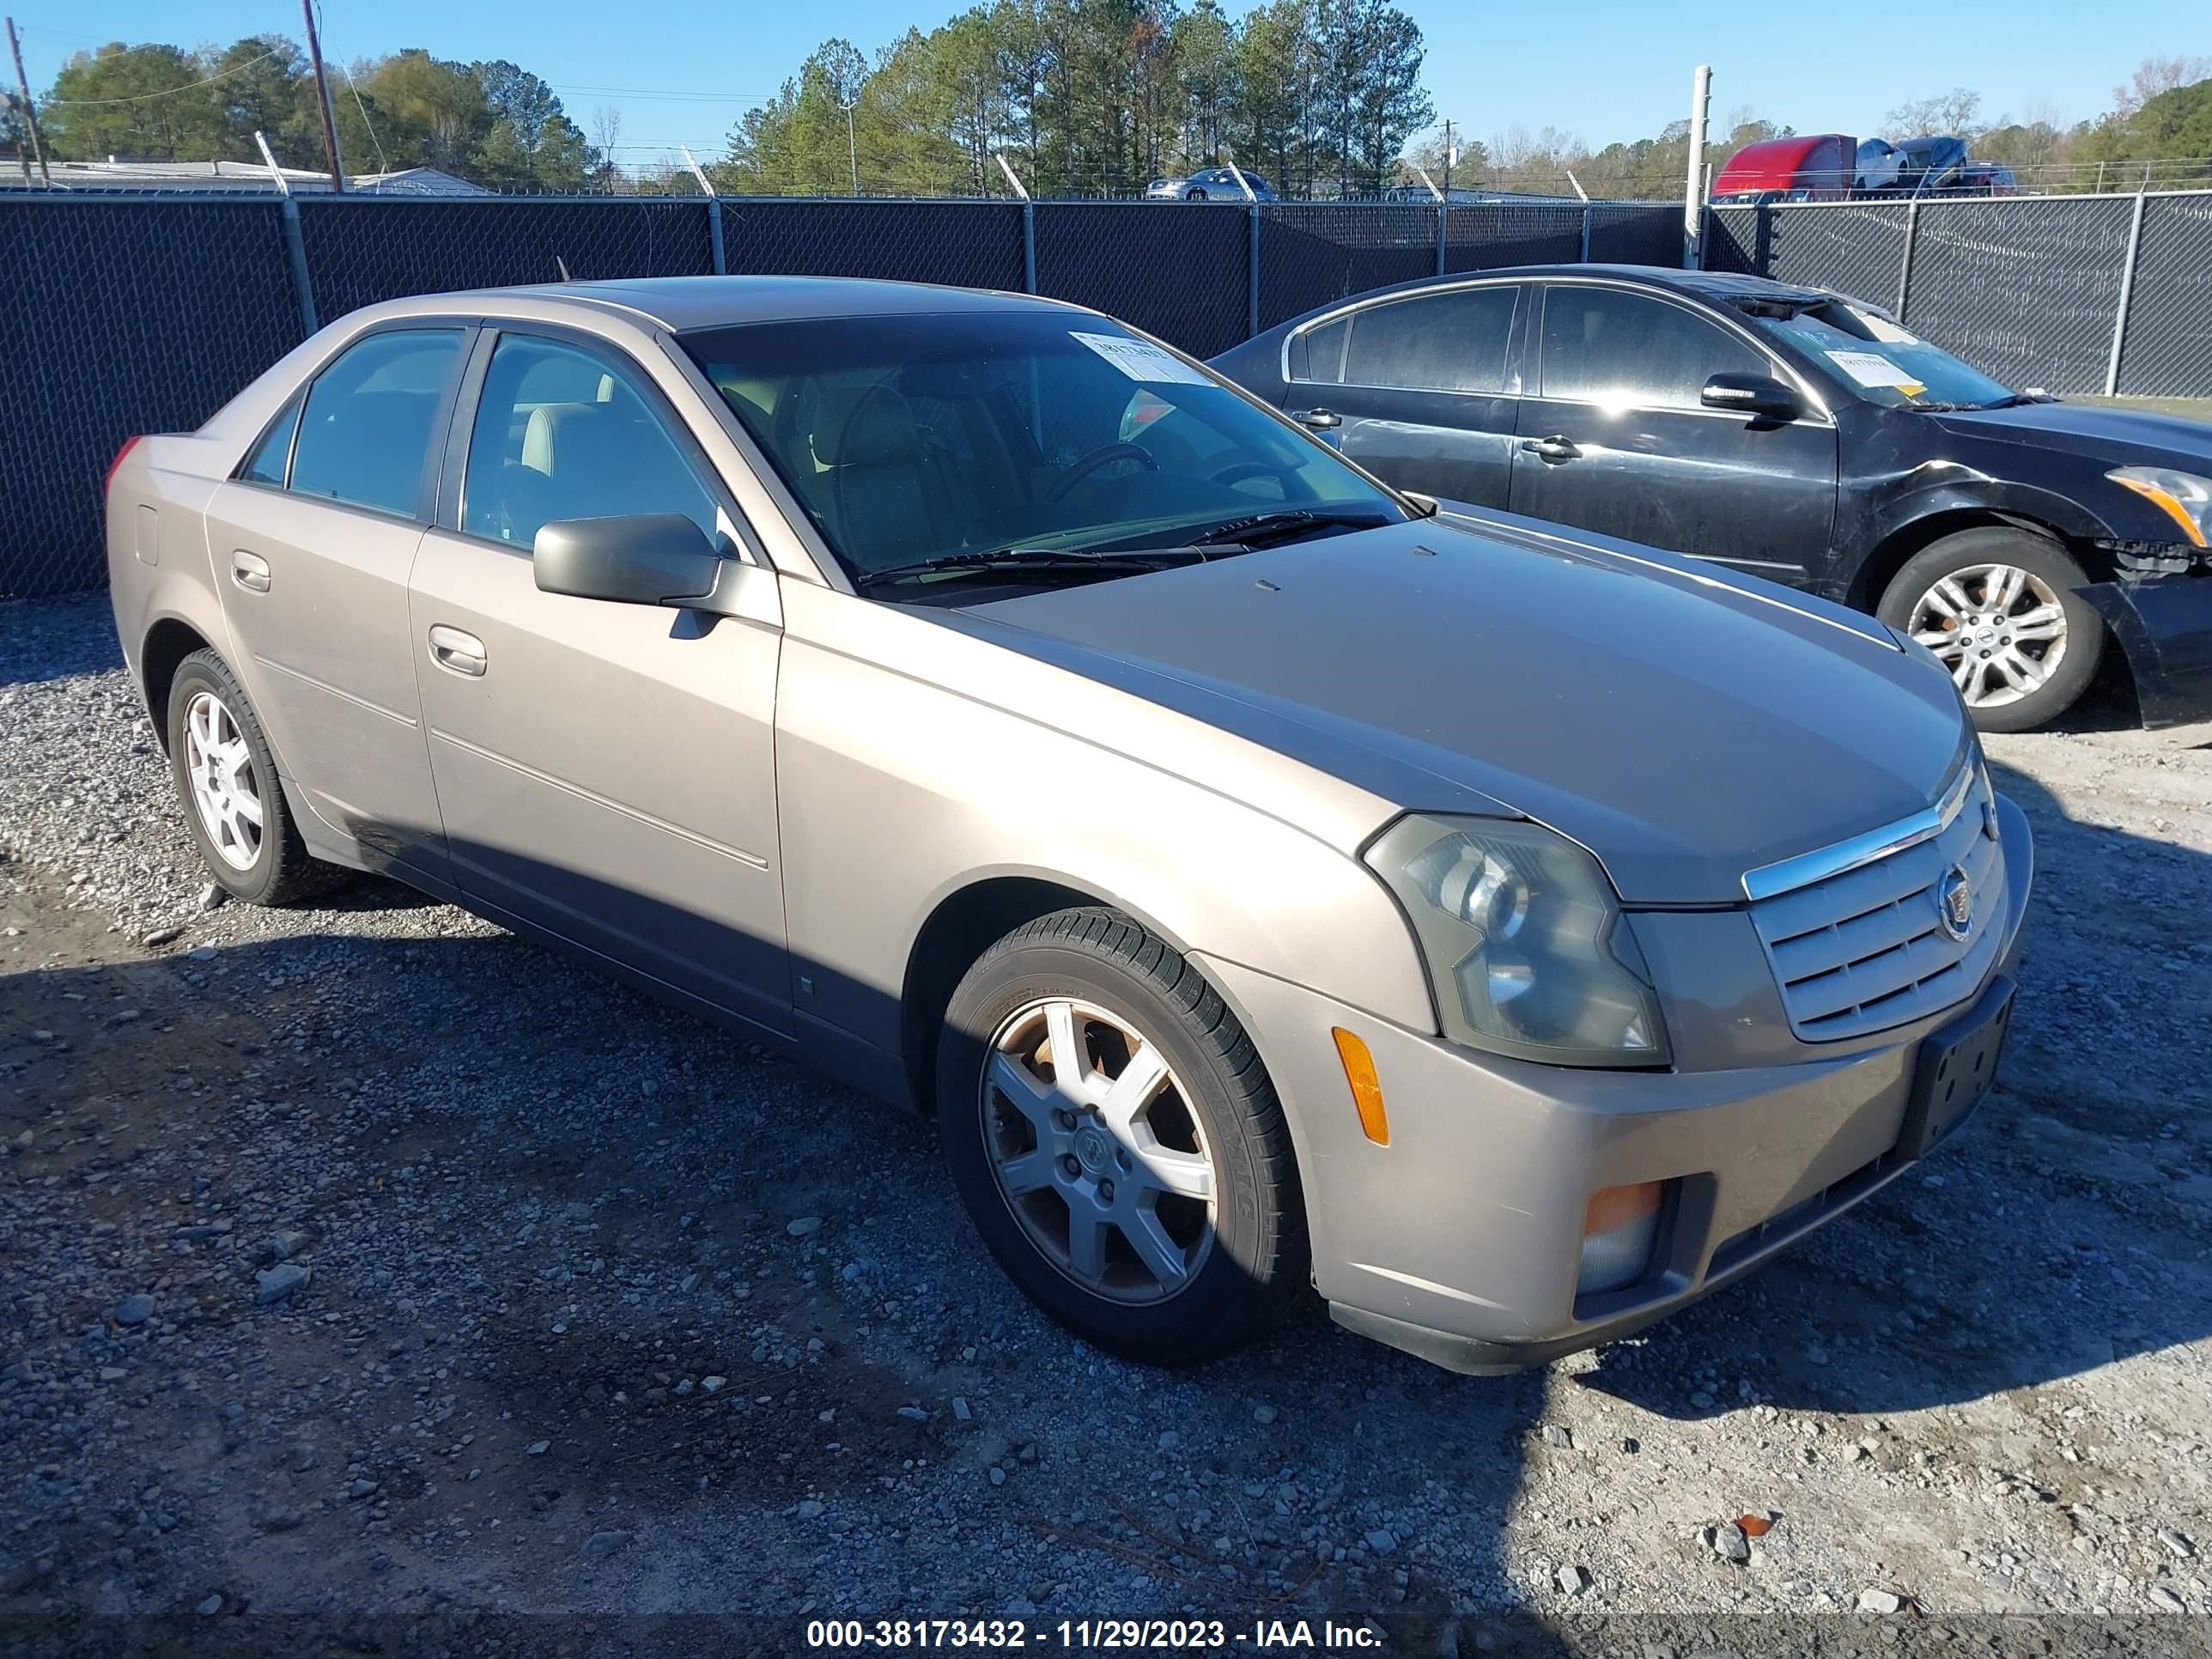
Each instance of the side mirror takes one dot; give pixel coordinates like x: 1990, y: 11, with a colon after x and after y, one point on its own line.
x: 1759, y: 396
x: 650, y: 558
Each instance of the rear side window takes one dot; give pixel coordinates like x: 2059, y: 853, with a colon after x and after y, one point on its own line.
x: 1325, y: 352
x: 366, y: 429
x: 267, y: 466
x: 1433, y: 342
x: 1603, y: 345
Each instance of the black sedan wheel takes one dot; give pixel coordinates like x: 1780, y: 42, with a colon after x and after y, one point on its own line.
x: 2002, y: 610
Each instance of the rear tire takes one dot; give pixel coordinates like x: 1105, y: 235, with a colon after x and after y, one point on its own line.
x: 2003, y: 609
x: 1084, y: 1203
x: 225, y: 780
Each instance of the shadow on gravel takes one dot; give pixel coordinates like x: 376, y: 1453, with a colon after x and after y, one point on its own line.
x: 55, y: 639
x: 1948, y: 1285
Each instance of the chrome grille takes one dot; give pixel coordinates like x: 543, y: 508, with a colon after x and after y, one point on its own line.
x: 1867, y: 948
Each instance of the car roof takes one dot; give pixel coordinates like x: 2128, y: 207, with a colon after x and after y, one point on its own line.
x: 1719, y: 286
x: 681, y: 304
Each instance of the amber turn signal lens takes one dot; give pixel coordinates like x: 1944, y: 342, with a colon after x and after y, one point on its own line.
x: 1366, y: 1087
x: 1616, y: 1207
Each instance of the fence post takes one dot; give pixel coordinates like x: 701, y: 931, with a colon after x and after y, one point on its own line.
x: 2127, y: 293
x: 296, y: 249
x: 1252, y: 270
x: 715, y: 234
x: 1443, y: 208
x: 1028, y: 246
x: 1905, y: 267
x: 1586, y: 234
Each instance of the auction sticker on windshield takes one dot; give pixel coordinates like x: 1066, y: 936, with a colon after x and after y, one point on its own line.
x: 1140, y: 360
x: 1872, y: 369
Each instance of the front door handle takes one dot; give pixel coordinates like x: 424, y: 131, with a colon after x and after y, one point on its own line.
x: 1319, y: 420
x: 1552, y: 450
x: 250, y: 571
x: 456, y: 651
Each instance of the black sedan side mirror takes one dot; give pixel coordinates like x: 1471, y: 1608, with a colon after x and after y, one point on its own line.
x: 1759, y: 396
x: 650, y: 558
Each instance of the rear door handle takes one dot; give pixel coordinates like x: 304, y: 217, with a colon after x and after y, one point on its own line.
x: 456, y: 651
x: 1552, y: 450
x: 250, y: 571
x: 1318, y: 420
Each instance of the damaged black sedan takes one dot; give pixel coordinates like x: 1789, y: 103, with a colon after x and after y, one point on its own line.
x: 1790, y: 434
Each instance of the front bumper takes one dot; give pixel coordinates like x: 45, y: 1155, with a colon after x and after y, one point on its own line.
x: 2163, y: 624
x: 1460, y: 1240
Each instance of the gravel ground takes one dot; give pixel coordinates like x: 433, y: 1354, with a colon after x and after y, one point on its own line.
x: 367, y: 1262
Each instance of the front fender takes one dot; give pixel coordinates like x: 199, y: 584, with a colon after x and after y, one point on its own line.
x: 896, y: 791
x: 1941, y: 488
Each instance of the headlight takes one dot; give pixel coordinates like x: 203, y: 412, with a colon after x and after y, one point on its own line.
x: 2182, y: 496
x: 1526, y: 944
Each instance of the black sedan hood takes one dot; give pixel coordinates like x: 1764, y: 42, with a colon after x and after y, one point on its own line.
x: 2118, y: 435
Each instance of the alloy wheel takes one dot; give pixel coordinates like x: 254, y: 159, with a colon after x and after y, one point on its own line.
x: 226, y: 789
x: 2000, y: 630
x: 1096, y: 1152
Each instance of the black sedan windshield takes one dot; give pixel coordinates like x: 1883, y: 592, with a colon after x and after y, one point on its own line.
x: 908, y: 439
x: 1882, y: 362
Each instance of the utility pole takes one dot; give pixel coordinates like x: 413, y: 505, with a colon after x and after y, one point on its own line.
x: 1449, y: 152
x: 323, y: 101
x: 1694, y: 192
x: 30, y: 109
x: 852, y: 143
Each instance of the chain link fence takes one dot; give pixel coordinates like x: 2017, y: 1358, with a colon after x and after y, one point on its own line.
x: 2099, y: 295
x: 131, y: 313
x: 116, y: 318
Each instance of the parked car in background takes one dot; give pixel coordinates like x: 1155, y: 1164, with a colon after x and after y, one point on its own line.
x: 1264, y: 877
x: 1819, y: 167
x: 1929, y: 167
x: 1790, y: 434
x: 1209, y: 184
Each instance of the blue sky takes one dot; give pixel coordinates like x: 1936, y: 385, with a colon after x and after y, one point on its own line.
x: 681, y: 71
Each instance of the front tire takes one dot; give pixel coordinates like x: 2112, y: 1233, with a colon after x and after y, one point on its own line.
x: 1145, y: 1197
x: 226, y: 777
x: 2002, y: 609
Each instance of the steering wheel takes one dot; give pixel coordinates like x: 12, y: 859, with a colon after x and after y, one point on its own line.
x: 1237, y: 472
x: 1102, y: 456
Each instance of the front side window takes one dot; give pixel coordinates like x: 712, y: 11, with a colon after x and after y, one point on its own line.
x: 1433, y: 342
x: 562, y: 433
x: 366, y: 432
x: 910, y: 438
x: 1605, y: 345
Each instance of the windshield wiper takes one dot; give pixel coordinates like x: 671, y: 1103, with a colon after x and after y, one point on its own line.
x: 2010, y: 400
x: 1261, y: 529
x: 997, y: 559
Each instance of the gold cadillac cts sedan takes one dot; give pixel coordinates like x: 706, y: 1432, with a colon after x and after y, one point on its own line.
x: 1266, y: 877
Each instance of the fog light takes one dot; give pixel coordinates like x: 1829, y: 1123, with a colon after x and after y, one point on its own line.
x: 1619, y: 1229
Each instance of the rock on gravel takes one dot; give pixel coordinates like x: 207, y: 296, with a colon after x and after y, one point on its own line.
x: 279, y: 1282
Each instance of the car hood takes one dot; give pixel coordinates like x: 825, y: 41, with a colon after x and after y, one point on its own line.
x: 2114, y: 434
x: 1683, y: 727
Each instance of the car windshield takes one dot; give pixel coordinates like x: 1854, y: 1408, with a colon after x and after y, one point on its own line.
x: 1882, y: 362
x: 912, y: 438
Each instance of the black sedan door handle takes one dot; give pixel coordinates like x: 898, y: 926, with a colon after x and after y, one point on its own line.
x: 1553, y: 451
x: 1319, y: 420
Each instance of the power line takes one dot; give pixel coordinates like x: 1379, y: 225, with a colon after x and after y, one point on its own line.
x: 166, y: 92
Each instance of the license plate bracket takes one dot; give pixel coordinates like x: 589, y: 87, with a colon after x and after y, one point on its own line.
x: 1957, y: 1066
